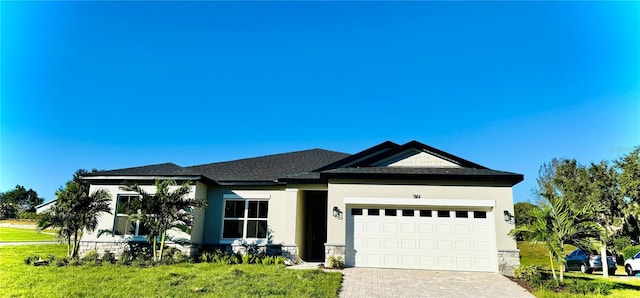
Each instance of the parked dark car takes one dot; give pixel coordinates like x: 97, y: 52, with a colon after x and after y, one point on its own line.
x: 588, y: 262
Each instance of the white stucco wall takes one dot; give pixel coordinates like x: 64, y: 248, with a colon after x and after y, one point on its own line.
x: 106, y: 221
x: 281, y: 214
x: 339, y: 190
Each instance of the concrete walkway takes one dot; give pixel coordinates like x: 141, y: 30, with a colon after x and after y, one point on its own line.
x: 373, y: 282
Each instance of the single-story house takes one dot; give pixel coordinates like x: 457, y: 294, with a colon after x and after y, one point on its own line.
x: 389, y: 206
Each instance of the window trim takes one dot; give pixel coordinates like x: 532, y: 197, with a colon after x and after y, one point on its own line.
x: 137, y: 225
x: 245, y: 219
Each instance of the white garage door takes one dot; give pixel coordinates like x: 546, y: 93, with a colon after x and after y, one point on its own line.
x: 420, y: 238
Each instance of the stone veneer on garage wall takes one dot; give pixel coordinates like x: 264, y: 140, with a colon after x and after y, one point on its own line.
x: 508, y: 260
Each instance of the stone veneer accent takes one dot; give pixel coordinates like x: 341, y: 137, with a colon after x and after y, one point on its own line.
x: 117, y: 248
x: 508, y: 260
x: 336, y: 250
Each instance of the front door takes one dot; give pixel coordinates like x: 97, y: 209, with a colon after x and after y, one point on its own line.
x: 315, y: 225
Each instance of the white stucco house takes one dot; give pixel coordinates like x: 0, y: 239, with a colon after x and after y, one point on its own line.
x: 389, y: 206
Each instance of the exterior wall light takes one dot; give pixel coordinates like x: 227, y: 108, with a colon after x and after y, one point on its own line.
x: 337, y: 213
x: 508, y: 217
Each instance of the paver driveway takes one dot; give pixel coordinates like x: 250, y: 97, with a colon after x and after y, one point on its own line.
x: 374, y: 282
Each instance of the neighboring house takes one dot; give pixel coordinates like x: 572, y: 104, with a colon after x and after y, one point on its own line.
x: 45, y: 206
x: 389, y: 206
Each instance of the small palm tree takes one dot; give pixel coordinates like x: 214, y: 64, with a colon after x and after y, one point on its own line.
x: 75, y: 211
x: 165, y: 210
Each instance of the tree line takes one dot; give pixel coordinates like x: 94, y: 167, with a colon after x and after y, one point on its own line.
x: 594, y: 205
x: 19, y: 203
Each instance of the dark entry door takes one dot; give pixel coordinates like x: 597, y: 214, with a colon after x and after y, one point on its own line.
x: 315, y: 225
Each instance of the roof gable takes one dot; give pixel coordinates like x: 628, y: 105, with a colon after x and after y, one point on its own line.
x: 414, y: 158
x: 416, y: 154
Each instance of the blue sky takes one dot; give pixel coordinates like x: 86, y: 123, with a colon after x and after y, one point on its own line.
x: 509, y: 85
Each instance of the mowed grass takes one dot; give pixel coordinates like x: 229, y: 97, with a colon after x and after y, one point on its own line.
x: 623, y: 286
x: 182, y: 280
x: 8, y: 234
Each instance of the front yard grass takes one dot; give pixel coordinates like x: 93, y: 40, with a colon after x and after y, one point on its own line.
x: 622, y: 285
x: 182, y: 280
x: 8, y: 234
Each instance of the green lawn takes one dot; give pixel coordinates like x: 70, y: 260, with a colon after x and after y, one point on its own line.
x: 181, y: 280
x: 20, y: 235
x: 623, y: 286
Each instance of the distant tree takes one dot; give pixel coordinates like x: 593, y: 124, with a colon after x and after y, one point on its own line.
x: 166, y: 209
x: 75, y: 211
x: 522, y: 213
x: 603, y: 192
x: 628, y: 167
x: 7, y: 209
x: 23, y: 200
x: 564, y: 217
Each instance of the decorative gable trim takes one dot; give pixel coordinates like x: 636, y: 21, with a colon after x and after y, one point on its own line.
x: 414, y: 158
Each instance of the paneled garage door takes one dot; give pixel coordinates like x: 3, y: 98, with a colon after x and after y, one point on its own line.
x: 421, y: 238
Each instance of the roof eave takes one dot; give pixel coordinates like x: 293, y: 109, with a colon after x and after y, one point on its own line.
x: 513, y: 179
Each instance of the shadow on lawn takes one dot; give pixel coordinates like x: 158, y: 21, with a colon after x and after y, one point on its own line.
x: 616, y: 284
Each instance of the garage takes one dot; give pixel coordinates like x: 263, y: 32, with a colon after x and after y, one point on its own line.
x: 421, y: 237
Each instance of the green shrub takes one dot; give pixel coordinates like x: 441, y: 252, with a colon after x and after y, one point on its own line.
x: 630, y: 251
x: 108, y: 257
x: 62, y: 262
x: 235, y: 259
x: 279, y: 260
x: 32, y: 259
x: 91, y: 256
x: 583, y: 287
x: 246, y: 258
x: 267, y: 260
x: 207, y: 257
x: 336, y: 262
x: 531, y: 274
x: 75, y: 262
x: 125, y: 258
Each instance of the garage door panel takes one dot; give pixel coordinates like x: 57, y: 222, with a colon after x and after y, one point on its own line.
x: 390, y: 243
x: 444, y: 229
x: 426, y: 244
x: 462, y: 229
x: 445, y: 245
x: 425, y: 228
x: 390, y: 227
x: 422, y: 241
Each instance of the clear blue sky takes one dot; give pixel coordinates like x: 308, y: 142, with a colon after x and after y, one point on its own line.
x: 509, y: 85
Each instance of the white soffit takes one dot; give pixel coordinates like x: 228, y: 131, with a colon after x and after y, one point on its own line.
x: 419, y: 202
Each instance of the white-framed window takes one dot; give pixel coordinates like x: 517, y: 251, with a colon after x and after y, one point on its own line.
x: 245, y: 219
x: 123, y: 225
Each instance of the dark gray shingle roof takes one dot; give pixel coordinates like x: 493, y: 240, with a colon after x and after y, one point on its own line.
x: 270, y: 167
x: 163, y: 169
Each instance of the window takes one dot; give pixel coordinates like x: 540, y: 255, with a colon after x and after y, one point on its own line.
x: 245, y: 219
x: 356, y: 211
x: 406, y: 212
x: 444, y: 213
x: 390, y: 212
x: 374, y: 212
x: 122, y: 224
x: 462, y: 214
x: 425, y: 213
x: 479, y: 214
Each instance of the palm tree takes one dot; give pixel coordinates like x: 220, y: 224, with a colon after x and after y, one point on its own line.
x: 75, y: 211
x: 540, y: 230
x: 165, y: 210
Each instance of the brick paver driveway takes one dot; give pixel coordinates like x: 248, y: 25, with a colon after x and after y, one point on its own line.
x: 373, y: 282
